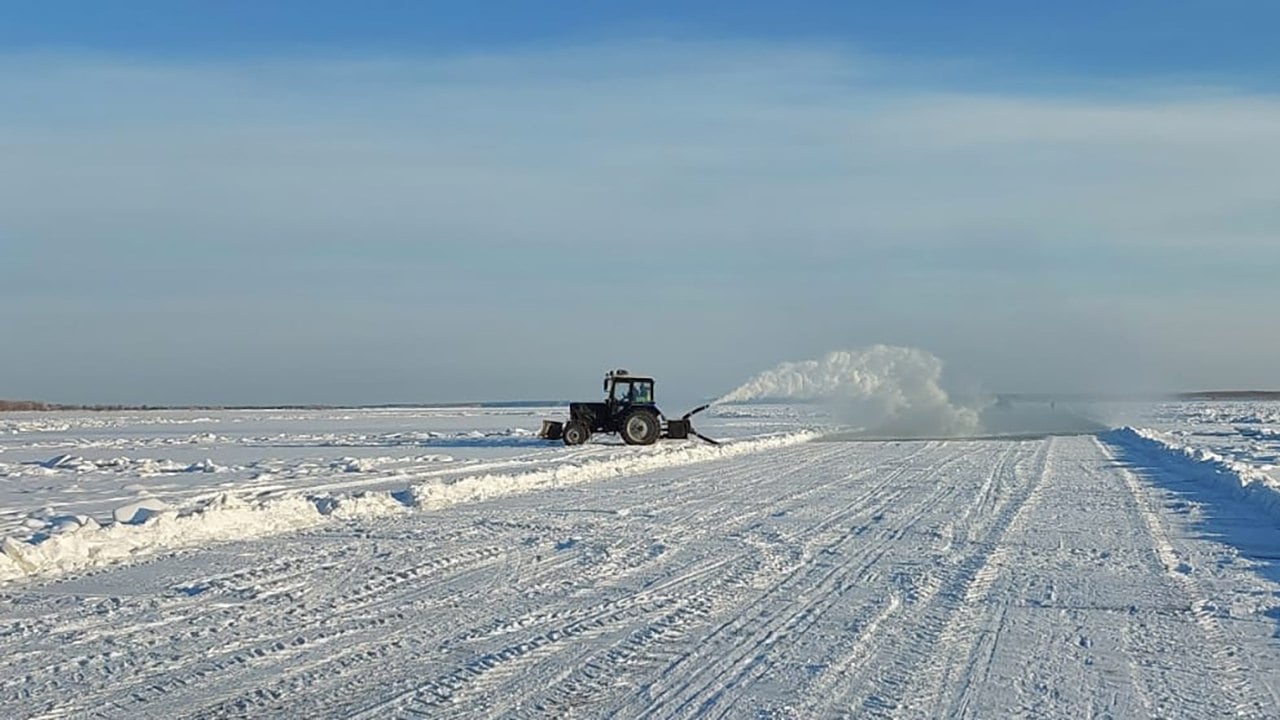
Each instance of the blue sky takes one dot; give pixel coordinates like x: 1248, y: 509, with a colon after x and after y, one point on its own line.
x: 392, y: 201
x: 1225, y: 38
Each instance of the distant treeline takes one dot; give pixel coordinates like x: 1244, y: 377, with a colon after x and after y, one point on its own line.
x: 35, y: 406
x: 1231, y: 395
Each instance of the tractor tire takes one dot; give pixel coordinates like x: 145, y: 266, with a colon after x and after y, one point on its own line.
x: 576, y: 433
x: 640, y: 427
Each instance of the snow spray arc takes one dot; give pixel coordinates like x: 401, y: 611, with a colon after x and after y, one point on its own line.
x: 882, y: 389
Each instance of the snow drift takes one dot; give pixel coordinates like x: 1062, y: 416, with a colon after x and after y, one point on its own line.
x: 882, y: 389
x: 144, y: 529
x: 1246, y: 481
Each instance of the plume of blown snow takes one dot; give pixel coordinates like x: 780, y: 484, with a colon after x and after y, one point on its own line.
x: 885, y: 390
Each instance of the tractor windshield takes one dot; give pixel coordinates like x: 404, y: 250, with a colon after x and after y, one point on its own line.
x: 631, y: 392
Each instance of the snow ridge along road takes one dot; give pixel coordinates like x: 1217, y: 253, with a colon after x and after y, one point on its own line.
x: 1249, y: 483
x: 971, y: 579
x: 150, y: 527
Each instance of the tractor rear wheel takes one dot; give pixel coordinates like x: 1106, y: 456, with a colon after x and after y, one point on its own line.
x: 576, y: 433
x: 640, y: 427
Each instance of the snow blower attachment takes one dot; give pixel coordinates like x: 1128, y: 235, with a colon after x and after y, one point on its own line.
x: 629, y: 410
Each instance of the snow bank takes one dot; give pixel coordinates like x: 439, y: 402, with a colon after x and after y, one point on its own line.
x: 1246, y: 481
x: 482, y: 487
x: 224, y: 518
x: 146, y: 528
x: 885, y: 389
x: 137, y: 513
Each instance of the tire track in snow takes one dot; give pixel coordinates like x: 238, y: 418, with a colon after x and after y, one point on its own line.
x: 914, y: 672
x: 826, y: 690
x: 962, y: 662
x: 679, y: 533
x: 586, y: 578
x: 594, y: 671
x: 575, y: 692
x: 479, y: 675
x: 360, y: 623
x: 256, y: 629
x: 129, y: 625
x: 761, y: 621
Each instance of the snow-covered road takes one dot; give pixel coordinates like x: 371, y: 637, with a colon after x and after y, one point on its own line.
x: 1064, y: 577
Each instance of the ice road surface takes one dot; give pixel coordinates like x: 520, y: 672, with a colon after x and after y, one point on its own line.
x: 445, y: 564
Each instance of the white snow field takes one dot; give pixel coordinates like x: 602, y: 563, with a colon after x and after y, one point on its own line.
x: 445, y: 563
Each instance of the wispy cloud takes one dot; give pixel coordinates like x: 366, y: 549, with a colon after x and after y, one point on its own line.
x: 809, y: 170
x: 719, y: 141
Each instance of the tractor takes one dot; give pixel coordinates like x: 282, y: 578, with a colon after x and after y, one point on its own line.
x: 628, y: 409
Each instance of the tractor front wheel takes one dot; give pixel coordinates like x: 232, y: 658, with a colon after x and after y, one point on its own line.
x: 576, y: 433
x: 640, y: 427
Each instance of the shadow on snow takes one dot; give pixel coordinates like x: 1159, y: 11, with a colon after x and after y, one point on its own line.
x: 1224, y: 516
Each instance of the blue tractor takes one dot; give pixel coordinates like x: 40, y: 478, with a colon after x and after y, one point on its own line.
x: 628, y: 409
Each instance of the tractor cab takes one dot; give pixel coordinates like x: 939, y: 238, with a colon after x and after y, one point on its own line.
x: 625, y: 390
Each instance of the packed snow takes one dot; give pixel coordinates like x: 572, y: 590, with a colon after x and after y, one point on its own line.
x: 446, y: 562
